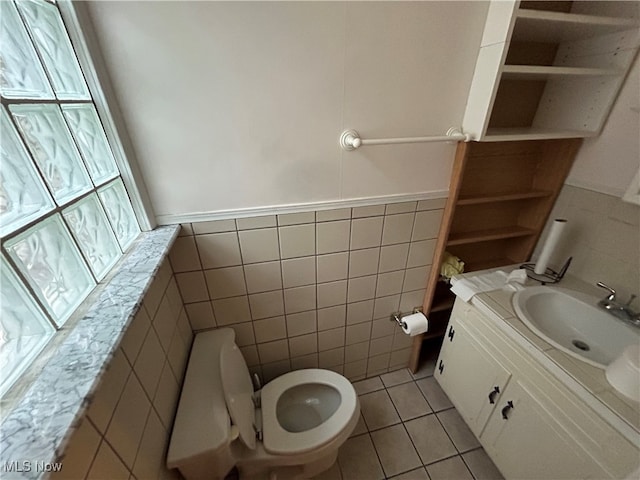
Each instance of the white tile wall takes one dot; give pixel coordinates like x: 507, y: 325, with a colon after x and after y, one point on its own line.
x: 301, y: 323
x: 80, y: 454
x: 262, y: 305
x: 311, y: 288
x: 218, y: 249
x: 263, y: 277
x: 258, y: 245
x: 225, y: 282
x: 232, y: 310
x: 333, y: 266
x: 298, y: 271
x: 333, y: 236
x: 602, y: 236
x: 366, y: 232
x: 332, y: 293
x: 299, y: 299
x: 297, y: 240
x: 270, y: 329
x: 305, y: 290
x: 126, y: 429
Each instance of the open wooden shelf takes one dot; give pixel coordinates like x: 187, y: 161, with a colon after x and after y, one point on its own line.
x: 531, y: 72
x: 492, y: 263
x: 443, y: 305
x: 443, y: 298
x: 489, y: 234
x: 491, y: 198
x: 500, y: 197
x: 532, y: 133
x: 547, y: 26
x: 435, y: 333
x: 550, y: 69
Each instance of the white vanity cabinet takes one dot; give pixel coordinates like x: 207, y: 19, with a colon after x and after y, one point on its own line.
x: 475, y: 379
x: 550, y: 69
x: 527, y: 439
x: 529, y: 423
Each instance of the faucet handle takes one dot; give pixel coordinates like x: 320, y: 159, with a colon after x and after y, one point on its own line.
x: 612, y: 292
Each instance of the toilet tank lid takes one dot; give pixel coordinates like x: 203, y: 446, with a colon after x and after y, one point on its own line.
x: 202, y: 424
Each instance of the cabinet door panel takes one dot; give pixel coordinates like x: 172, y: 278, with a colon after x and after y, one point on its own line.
x: 469, y: 377
x: 530, y: 443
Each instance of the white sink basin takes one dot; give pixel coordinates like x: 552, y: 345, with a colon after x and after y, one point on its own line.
x: 572, y: 322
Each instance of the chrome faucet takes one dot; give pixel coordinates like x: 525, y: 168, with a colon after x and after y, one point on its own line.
x: 623, y: 311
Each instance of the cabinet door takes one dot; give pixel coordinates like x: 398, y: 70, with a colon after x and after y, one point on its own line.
x: 525, y: 441
x: 470, y: 376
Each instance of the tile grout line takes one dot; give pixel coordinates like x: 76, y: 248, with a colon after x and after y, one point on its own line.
x: 433, y: 412
x: 405, y: 429
x: 403, y: 423
x: 467, y: 465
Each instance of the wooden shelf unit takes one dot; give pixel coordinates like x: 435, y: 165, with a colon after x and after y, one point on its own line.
x: 550, y: 69
x: 500, y: 196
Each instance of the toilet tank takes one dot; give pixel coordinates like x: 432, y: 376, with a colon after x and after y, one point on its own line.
x: 199, y: 445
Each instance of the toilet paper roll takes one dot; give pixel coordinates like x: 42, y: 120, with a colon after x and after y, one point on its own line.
x: 557, y: 227
x: 415, y: 324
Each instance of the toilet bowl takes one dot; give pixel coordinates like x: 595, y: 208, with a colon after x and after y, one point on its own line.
x: 291, y: 428
x: 304, y: 409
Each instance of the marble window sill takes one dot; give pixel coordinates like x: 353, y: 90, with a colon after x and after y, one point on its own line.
x: 36, y: 427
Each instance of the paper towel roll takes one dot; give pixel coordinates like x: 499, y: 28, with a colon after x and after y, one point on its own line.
x: 557, y: 227
x: 415, y: 324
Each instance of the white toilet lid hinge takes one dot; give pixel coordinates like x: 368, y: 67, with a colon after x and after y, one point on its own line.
x: 257, y: 426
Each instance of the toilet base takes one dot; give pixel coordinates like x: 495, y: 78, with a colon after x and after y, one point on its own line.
x: 289, y: 472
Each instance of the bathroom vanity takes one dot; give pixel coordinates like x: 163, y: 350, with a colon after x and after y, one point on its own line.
x: 538, y: 412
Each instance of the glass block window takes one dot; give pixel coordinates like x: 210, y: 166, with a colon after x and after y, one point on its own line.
x: 23, y: 195
x: 22, y: 76
x: 92, y: 142
x: 90, y: 228
x: 48, y: 259
x: 65, y: 214
x: 49, y: 141
x: 24, y: 329
x: 123, y: 220
x: 54, y: 47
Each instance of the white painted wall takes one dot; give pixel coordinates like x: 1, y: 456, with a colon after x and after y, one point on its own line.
x: 607, y: 163
x: 234, y: 105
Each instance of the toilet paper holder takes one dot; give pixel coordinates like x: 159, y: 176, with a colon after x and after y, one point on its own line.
x: 397, y: 317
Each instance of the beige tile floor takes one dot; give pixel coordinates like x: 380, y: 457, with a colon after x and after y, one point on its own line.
x: 409, y: 430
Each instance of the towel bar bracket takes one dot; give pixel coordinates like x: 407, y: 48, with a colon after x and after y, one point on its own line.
x: 350, y: 140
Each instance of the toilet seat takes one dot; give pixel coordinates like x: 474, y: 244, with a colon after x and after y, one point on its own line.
x: 277, y: 440
x: 238, y: 392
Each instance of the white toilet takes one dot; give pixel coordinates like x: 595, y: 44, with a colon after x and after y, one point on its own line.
x: 291, y: 428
